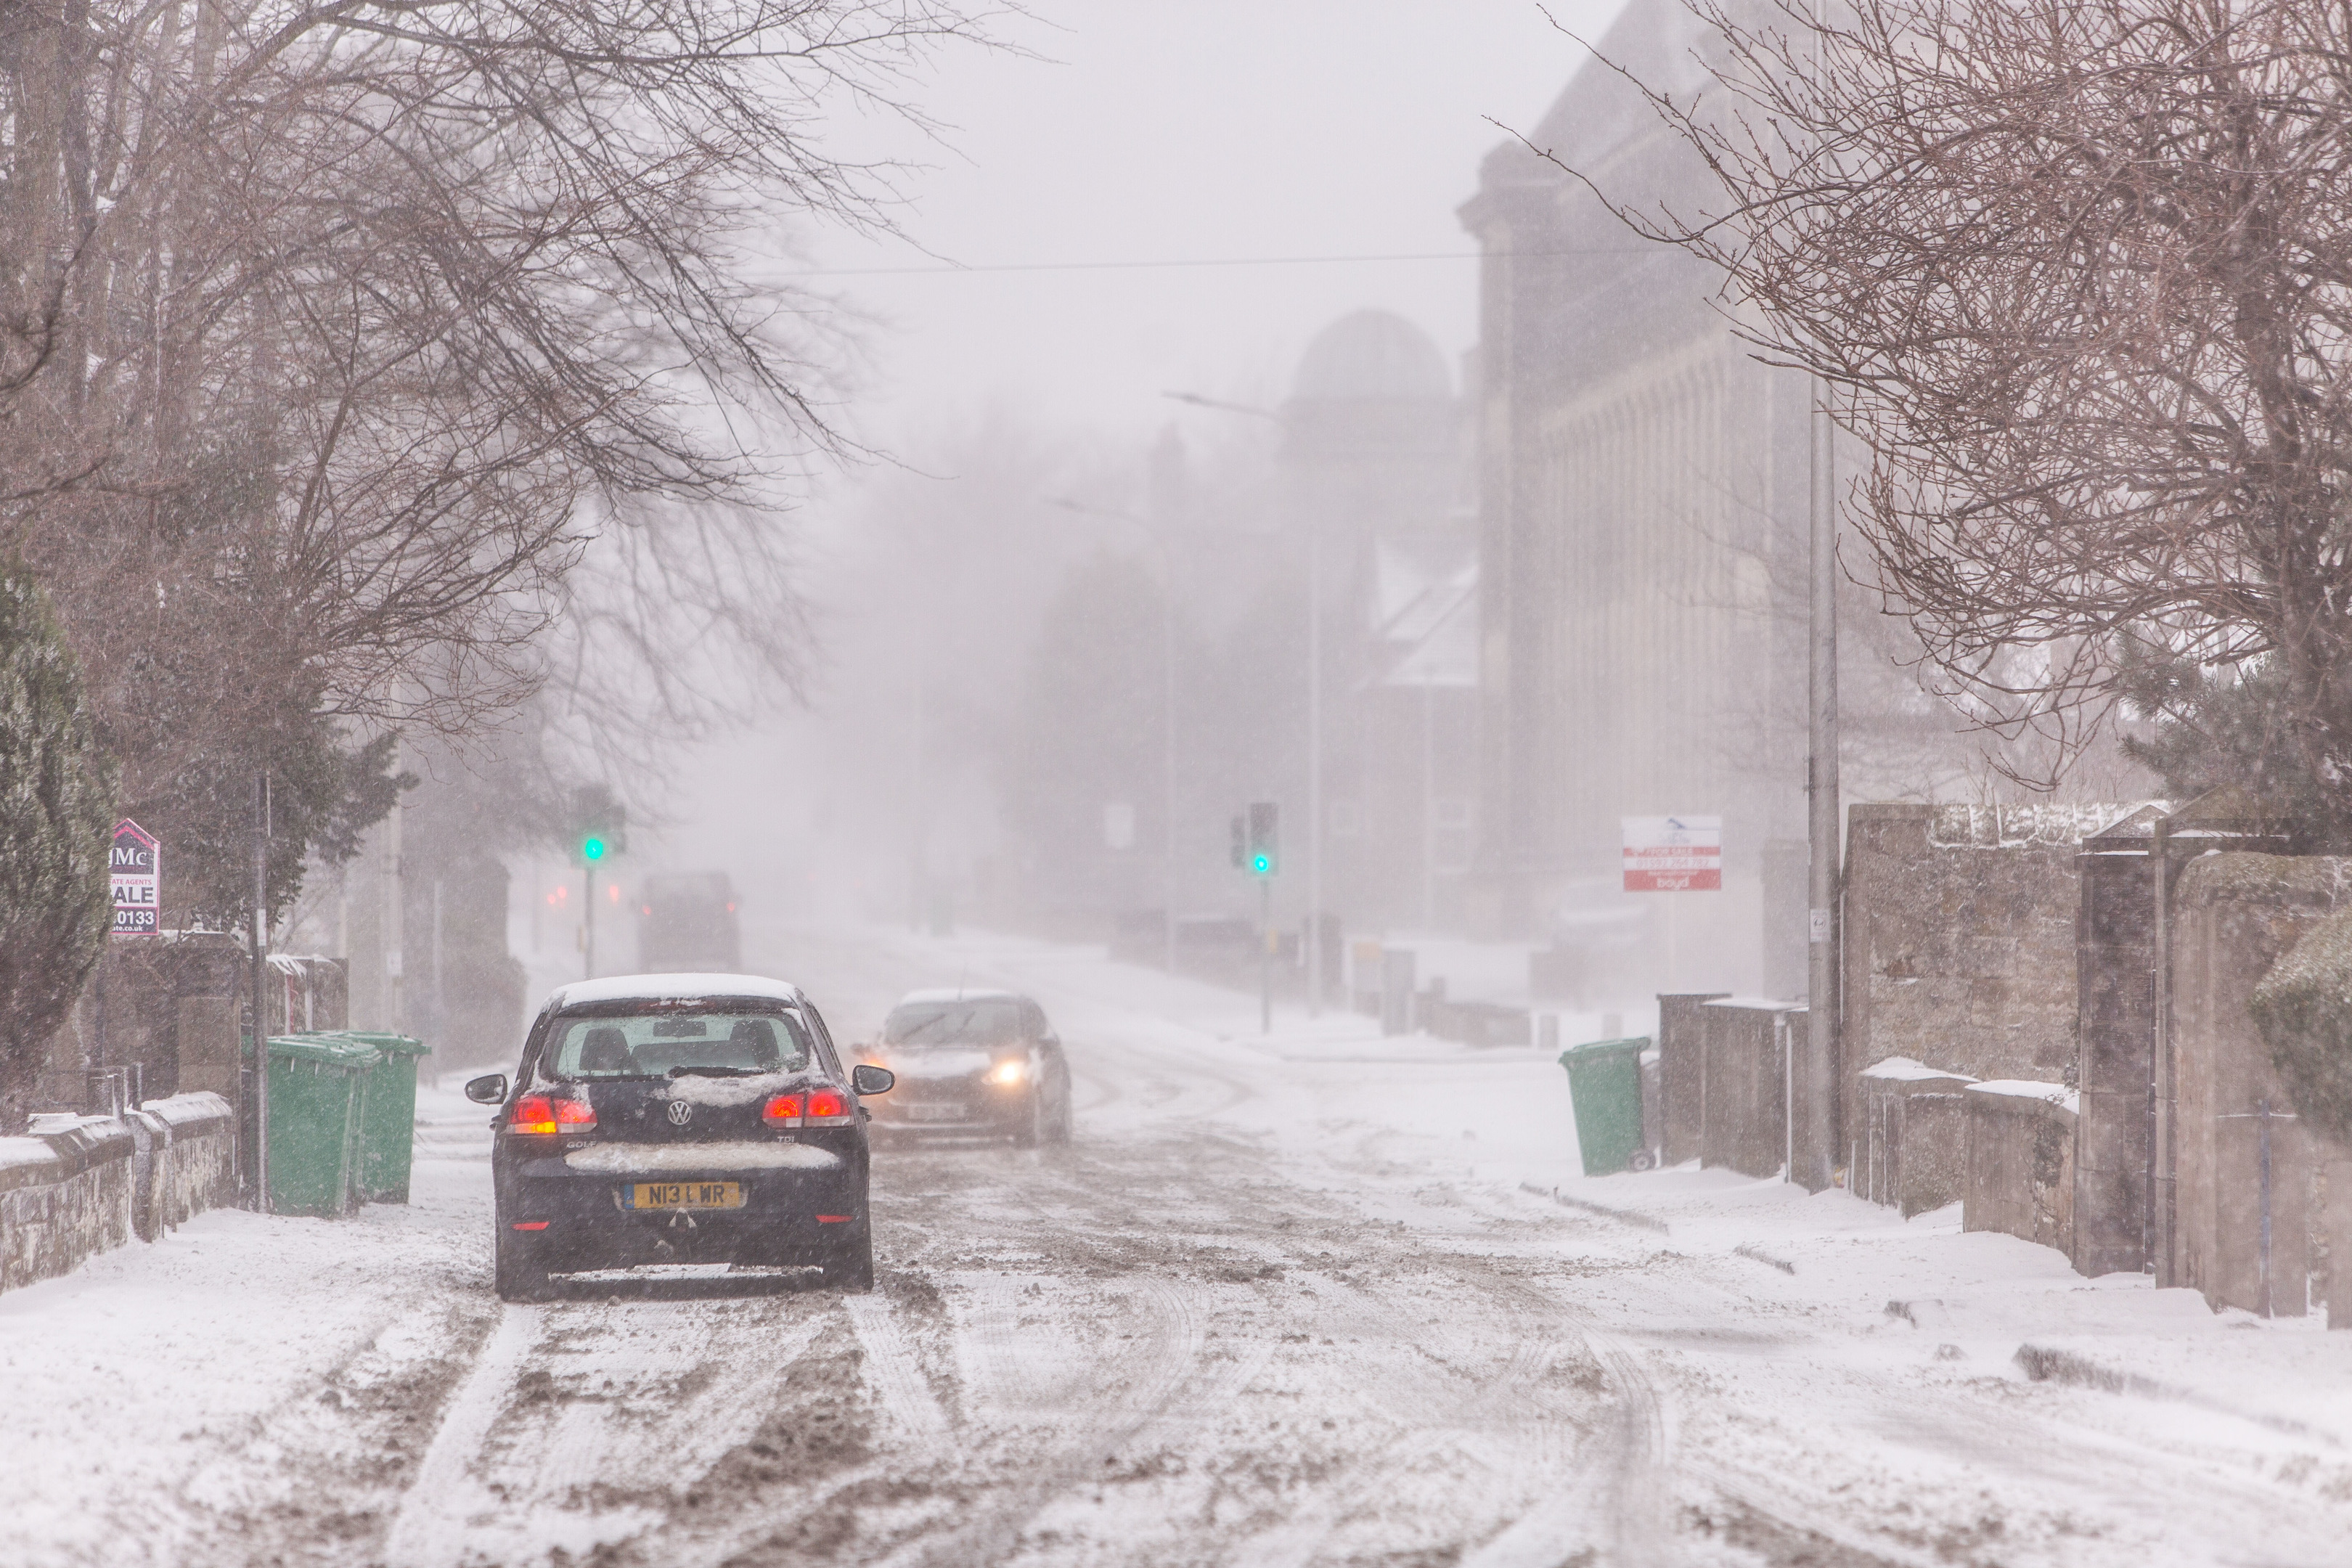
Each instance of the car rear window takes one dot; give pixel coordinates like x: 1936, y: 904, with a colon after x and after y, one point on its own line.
x: 653, y: 1045
x: 980, y: 1021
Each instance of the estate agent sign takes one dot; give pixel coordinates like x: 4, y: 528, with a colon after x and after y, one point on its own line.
x: 137, y: 867
x: 1673, y: 854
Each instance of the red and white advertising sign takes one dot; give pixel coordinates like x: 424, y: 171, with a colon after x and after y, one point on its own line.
x: 137, y: 874
x: 1673, y: 854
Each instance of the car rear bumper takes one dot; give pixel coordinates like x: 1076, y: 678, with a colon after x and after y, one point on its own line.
x: 571, y: 1220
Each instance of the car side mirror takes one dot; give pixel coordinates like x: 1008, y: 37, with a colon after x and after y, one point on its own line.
x: 867, y: 1078
x: 490, y: 1088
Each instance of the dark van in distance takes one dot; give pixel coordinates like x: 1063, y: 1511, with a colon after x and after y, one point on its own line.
x: 686, y: 922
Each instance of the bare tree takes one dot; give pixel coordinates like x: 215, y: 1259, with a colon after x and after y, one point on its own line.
x: 2080, y: 276
x: 333, y: 336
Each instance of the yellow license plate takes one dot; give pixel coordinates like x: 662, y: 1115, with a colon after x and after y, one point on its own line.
x: 686, y: 1195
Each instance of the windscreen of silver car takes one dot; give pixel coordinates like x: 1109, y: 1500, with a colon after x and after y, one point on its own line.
x: 677, y: 1045
x: 985, y: 1021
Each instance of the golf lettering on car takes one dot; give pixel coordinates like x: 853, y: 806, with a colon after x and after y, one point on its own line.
x: 679, y: 1119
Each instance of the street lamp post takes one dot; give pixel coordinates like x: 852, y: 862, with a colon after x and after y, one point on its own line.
x: 1814, y: 1162
x: 1314, y: 767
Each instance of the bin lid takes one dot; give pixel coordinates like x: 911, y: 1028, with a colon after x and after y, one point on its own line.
x: 325, y: 1050
x: 390, y: 1045
x: 1592, y: 1049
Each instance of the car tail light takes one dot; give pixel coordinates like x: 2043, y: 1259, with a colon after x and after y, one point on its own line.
x: 783, y: 1111
x: 546, y: 1113
x: 828, y: 1107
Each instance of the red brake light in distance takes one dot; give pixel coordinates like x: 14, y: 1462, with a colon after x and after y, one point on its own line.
x: 782, y: 1110
x: 545, y: 1113
x: 829, y: 1108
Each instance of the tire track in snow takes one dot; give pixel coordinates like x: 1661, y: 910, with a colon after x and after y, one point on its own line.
x: 895, y: 1372
x: 582, y: 1424
x: 1103, y: 1415
x: 1641, y: 1533
x: 1471, y: 1397
x: 628, y: 1404
x: 429, y: 1531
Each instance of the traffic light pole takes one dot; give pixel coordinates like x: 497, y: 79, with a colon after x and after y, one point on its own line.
x: 588, y: 914
x: 1265, y: 956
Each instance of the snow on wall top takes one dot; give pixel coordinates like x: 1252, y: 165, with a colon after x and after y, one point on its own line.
x: 2056, y: 1094
x: 180, y: 1109
x: 2017, y: 826
x: 1906, y: 1068
x: 670, y: 988
x: 49, y: 1123
x: 25, y: 1150
x: 1764, y: 1003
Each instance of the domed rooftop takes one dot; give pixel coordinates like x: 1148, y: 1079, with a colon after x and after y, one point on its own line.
x: 1373, y: 354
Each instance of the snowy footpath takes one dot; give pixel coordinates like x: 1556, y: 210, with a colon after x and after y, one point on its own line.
x: 1321, y: 1298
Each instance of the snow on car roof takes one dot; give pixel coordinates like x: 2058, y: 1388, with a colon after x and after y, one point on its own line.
x: 958, y: 993
x: 669, y: 988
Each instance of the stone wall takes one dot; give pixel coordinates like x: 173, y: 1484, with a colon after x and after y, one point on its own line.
x: 168, y: 1003
x: 2115, y: 967
x: 1959, y: 926
x: 2020, y: 1161
x: 75, y: 1185
x: 1743, y: 1120
x: 196, y: 1156
x: 1681, y: 1075
x: 2242, y: 1236
x: 1914, y: 1141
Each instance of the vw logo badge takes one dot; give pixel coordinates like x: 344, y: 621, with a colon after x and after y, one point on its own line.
x: 681, y: 1112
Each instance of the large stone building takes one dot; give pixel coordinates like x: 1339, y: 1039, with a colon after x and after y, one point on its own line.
x: 1642, y: 484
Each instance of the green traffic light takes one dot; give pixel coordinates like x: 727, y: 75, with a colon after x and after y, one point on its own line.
x: 1262, y: 864
x: 592, y: 850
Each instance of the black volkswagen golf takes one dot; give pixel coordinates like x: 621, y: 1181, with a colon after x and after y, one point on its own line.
x: 679, y: 1119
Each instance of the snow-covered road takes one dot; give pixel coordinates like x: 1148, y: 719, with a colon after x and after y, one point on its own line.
x: 1321, y: 1299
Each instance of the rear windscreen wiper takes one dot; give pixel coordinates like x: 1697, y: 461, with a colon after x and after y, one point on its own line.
x: 696, y: 1070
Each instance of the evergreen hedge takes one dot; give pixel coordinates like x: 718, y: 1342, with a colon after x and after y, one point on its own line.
x: 57, y: 818
x: 2303, y: 1009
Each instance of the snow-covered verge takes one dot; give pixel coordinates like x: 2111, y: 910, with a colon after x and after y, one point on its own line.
x: 137, y: 1386
x: 72, y: 1186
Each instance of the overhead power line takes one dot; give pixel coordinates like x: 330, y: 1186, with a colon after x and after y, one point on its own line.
x: 949, y: 267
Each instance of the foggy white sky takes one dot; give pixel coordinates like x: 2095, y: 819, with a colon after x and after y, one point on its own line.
x: 1212, y: 128
x: 1208, y: 129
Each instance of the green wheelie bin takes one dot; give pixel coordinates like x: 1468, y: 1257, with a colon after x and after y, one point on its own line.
x: 316, y: 1083
x: 387, y: 1117
x: 1605, y: 1083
